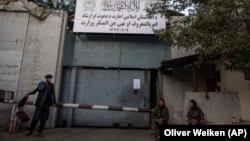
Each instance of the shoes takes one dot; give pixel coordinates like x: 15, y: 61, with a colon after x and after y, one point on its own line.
x: 28, y: 134
x: 40, y: 135
x: 157, y: 138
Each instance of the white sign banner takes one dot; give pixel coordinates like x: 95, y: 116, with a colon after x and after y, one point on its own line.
x: 116, y: 16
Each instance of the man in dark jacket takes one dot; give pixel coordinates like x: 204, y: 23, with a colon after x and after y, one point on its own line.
x: 195, y: 115
x: 45, y: 99
x: 160, y: 116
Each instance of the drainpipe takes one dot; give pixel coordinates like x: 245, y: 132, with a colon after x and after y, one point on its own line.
x: 159, y: 86
x: 194, y: 78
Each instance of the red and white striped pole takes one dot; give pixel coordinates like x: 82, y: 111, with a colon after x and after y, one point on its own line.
x: 12, y: 125
x: 86, y: 106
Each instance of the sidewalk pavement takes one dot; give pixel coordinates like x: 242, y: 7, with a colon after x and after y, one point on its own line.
x: 81, y: 134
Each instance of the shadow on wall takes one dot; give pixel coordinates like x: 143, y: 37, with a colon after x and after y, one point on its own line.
x: 219, y: 109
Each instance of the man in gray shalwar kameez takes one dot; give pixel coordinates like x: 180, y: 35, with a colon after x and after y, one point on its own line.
x: 45, y: 99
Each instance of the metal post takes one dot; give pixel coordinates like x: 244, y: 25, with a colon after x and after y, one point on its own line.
x: 72, y: 95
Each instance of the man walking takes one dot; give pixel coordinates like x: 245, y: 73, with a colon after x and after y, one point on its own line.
x: 45, y: 99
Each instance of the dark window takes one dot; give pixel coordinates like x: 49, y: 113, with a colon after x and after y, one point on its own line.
x: 247, y: 74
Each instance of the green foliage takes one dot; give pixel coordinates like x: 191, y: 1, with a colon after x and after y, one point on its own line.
x: 66, y: 5
x: 221, y: 29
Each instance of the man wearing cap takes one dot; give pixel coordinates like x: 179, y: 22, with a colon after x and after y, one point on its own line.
x: 45, y: 99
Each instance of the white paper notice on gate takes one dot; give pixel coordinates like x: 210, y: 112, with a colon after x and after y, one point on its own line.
x: 137, y: 84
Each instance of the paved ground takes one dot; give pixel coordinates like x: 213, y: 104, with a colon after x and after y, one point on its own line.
x: 81, y: 134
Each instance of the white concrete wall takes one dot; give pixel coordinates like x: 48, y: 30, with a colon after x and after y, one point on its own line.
x: 12, y: 41
x: 218, y: 109
x: 38, y: 51
x: 235, y: 81
x: 13, y: 27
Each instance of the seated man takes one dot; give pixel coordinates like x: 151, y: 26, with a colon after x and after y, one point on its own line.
x: 195, y: 115
x: 160, y: 116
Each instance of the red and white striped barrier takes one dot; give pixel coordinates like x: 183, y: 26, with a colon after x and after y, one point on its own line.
x: 86, y: 106
x: 13, y: 120
x: 12, y: 128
